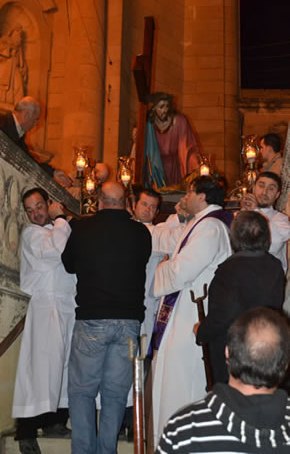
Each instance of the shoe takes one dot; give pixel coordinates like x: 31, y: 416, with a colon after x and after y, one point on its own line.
x: 130, y: 434
x: 29, y: 446
x: 122, y: 434
x: 56, y: 431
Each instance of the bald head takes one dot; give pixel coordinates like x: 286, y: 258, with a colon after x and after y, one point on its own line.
x: 112, y: 196
x: 27, y: 103
x: 258, y: 347
x: 27, y: 112
x: 101, y: 172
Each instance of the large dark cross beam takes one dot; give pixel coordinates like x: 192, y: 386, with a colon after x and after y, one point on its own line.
x: 142, y: 70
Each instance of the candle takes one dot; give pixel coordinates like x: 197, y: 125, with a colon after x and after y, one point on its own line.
x: 80, y: 163
x: 244, y: 191
x: 125, y: 177
x: 90, y: 185
x: 204, y: 169
x: 251, y: 154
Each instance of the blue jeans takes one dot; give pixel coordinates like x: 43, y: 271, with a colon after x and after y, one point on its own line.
x: 99, y: 362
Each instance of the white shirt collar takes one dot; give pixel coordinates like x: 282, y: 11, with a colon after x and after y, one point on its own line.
x: 19, y: 128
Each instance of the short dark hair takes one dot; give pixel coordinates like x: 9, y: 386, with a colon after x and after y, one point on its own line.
x: 211, y: 187
x: 151, y: 193
x: 273, y: 176
x: 250, y: 232
x: 36, y: 190
x: 272, y: 140
x: 259, y: 347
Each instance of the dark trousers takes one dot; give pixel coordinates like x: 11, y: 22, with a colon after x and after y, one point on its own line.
x: 27, y: 427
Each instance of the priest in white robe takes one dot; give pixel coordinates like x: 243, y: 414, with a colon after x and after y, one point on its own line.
x: 41, y: 378
x: 178, y: 370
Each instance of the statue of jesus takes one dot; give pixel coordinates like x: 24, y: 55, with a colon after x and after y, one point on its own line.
x: 172, y: 149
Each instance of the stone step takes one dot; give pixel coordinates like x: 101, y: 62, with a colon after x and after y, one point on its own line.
x: 54, y: 446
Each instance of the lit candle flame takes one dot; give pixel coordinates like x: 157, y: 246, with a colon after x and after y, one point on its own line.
x: 80, y: 163
x: 204, y: 169
x: 125, y: 177
x: 251, y: 154
x: 90, y: 185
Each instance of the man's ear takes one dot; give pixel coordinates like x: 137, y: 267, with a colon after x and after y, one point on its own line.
x: 202, y: 196
x: 226, y: 353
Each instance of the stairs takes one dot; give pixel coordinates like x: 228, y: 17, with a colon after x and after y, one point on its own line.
x: 53, y: 446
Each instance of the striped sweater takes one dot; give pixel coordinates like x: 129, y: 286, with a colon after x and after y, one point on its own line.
x: 227, y: 421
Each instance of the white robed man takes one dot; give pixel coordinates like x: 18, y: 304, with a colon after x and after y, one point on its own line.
x: 146, y: 207
x: 178, y: 371
x: 266, y: 191
x: 40, y: 395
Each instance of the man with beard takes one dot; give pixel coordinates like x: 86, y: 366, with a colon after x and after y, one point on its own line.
x: 270, y: 149
x: 171, y: 146
x: 266, y: 191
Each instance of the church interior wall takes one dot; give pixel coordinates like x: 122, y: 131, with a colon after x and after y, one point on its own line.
x: 77, y: 80
x: 264, y: 111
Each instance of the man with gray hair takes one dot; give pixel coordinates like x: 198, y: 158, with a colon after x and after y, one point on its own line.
x: 16, y: 124
x: 108, y: 252
x: 250, y: 414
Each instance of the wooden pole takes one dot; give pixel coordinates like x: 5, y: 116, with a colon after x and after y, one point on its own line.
x: 205, y: 349
x: 138, y: 396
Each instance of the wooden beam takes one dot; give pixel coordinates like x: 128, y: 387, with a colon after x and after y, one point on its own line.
x: 142, y: 70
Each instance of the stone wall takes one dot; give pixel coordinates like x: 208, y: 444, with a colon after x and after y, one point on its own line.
x: 79, y: 64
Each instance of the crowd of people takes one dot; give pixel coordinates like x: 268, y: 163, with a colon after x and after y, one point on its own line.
x: 97, y: 281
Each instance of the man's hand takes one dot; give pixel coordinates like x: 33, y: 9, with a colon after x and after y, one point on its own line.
x: 62, y: 178
x: 165, y: 258
x: 195, y: 328
x: 181, y: 211
x: 249, y: 202
x: 55, y: 209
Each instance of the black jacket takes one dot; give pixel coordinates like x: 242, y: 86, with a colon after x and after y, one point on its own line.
x: 244, y: 281
x: 227, y: 421
x: 7, y: 125
x: 108, y: 252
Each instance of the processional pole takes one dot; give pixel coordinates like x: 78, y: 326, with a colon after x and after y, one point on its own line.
x: 205, y: 349
x: 138, y: 394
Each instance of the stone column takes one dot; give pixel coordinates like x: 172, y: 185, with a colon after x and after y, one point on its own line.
x: 84, y: 78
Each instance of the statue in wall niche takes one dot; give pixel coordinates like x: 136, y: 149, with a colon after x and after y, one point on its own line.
x: 13, y: 66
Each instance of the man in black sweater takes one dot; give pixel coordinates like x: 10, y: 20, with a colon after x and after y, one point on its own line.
x: 108, y: 252
x: 249, y: 415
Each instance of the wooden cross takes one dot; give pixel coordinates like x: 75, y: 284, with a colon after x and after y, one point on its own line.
x: 142, y: 70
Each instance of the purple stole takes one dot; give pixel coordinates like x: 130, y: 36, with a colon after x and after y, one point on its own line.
x: 170, y: 300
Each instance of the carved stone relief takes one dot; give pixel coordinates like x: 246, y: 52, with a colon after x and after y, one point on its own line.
x: 13, y: 66
x: 25, y: 53
x: 15, y: 29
